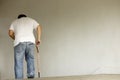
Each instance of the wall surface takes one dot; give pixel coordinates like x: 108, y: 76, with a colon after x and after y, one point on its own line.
x: 79, y: 37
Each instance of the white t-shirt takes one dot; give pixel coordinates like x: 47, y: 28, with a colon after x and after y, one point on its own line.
x: 23, y: 29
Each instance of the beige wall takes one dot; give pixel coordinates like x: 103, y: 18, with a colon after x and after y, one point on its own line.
x: 79, y: 36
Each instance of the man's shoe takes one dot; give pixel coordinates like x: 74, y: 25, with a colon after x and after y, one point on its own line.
x: 31, y: 77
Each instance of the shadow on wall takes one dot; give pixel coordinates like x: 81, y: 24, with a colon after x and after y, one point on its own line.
x: 6, y: 58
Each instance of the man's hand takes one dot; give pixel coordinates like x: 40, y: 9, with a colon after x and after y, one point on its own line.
x: 37, y: 42
x: 11, y: 34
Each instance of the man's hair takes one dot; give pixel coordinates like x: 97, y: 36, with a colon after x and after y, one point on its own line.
x: 21, y: 15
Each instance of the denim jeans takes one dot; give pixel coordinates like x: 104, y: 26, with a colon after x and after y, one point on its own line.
x: 24, y: 49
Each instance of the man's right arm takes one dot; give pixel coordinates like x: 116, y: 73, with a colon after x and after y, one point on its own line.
x: 39, y: 31
x: 11, y: 34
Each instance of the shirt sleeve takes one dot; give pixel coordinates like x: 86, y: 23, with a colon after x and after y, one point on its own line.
x: 11, y: 27
x: 35, y: 24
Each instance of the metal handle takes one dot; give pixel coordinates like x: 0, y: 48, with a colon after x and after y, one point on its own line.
x: 37, y: 49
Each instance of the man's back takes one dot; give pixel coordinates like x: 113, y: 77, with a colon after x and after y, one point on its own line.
x: 23, y: 29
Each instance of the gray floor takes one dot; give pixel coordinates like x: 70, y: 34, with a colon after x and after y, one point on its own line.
x: 85, y: 77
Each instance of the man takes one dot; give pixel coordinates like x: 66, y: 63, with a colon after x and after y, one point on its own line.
x: 21, y: 31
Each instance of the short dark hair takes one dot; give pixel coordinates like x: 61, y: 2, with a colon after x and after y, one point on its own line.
x: 21, y: 15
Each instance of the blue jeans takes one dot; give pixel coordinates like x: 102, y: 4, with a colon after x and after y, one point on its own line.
x: 24, y: 49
